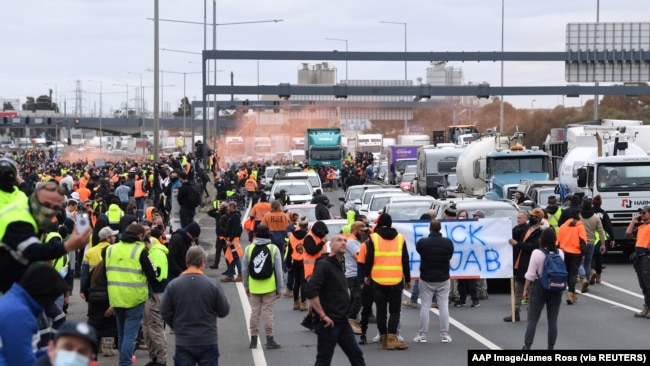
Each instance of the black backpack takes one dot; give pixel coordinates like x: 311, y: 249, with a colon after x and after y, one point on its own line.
x: 194, y: 197
x: 260, y: 261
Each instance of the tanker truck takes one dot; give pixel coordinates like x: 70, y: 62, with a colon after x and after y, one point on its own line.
x: 613, y: 167
x: 494, y: 165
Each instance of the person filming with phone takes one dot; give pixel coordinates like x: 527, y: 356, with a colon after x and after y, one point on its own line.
x: 22, y: 221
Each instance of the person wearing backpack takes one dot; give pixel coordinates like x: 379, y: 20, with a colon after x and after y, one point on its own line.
x: 545, y: 283
x: 572, y: 238
x: 189, y: 199
x: 262, y: 279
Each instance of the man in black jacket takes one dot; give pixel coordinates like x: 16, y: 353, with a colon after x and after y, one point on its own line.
x: 234, y: 252
x: 186, y: 200
x: 220, y: 215
x: 179, y: 243
x: 327, y: 291
x: 435, y: 253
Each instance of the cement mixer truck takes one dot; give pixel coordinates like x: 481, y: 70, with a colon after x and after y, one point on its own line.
x: 609, y: 164
x: 494, y: 165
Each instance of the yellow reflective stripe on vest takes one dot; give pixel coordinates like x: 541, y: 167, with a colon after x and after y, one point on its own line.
x: 387, y: 266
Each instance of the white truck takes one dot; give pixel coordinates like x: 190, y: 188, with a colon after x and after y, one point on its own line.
x: 297, y: 155
x: 434, y: 163
x: 370, y: 142
x: 262, y: 145
x: 414, y: 140
x: 613, y: 167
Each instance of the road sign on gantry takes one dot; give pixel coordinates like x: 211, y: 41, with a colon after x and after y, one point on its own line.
x: 607, y: 52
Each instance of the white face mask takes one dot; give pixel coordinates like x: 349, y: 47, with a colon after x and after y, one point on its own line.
x: 70, y: 358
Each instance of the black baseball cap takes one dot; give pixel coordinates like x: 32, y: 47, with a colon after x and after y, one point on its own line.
x: 644, y: 209
x: 81, y: 330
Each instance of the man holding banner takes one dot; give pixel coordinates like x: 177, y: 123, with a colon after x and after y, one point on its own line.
x: 387, y: 266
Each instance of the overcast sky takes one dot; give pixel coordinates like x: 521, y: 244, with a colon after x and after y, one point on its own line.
x: 50, y: 44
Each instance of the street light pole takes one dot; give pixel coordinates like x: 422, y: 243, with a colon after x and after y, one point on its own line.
x: 532, y: 105
x: 501, y: 99
x: 405, y: 41
x: 101, y: 104
x: 346, y: 54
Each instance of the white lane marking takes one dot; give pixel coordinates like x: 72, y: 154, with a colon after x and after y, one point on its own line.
x: 257, y: 352
x: 632, y: 293
x: 612, y: 302
x: 462, y: 327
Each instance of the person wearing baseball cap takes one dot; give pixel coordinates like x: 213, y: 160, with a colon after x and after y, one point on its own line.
x: 75, y: 343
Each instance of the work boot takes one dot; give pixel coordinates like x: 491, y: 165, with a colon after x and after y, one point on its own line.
x: 214, y: 265
x: 569, y: 298
x: 592, y: 277
x: 107, y: 346
x: 296, y: 305
x: 271, y: 344
x: 382, y: 340
x: 228, y: 279
x: 303, y: 306
x: 393, y: 343
x: 643, y: 313
x: 363, y: 339
x: 597, y: 278
x: 253, y: 343
x: 585, y: 286
x: 509, y: 317
x: 355, y: 326
x: 238, y: 278
x: 287, y: 293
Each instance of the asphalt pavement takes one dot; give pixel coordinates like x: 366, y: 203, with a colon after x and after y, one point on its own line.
x: 601, y: 319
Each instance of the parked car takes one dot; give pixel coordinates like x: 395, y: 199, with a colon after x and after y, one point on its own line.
x: 377, y: 203
x: 406, y: 183
x: 406, y: 210
x: 491, y: 208
x: 353, y: 193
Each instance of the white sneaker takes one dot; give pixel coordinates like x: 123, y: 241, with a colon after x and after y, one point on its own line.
x: 420, y: 338
x: 376, y: 339
x: 400, y: 338
x: 445, y: 338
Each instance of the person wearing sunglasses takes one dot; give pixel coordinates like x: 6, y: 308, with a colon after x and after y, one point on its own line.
x: 22, y: 221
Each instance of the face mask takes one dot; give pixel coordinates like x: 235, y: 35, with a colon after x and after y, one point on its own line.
x: 70, y: 358
x: 43, y: 215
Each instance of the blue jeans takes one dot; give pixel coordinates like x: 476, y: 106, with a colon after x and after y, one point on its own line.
x: 328, y: 338
x: 587, y: 263
x: 139, y: 205
x: 186, y: 215
x: 197, y: 355
x: 128, y: 325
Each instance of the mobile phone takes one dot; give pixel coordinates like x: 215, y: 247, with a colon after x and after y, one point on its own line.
x: 83, y: 223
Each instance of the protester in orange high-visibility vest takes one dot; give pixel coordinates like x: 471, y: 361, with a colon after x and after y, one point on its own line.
x: 387, y: 271
x: 294, y: 260
x: 234, y: 251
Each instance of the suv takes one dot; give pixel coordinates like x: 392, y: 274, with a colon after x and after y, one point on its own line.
x: 353, y: 193
x: 299, y: 190
x: 491, y: 208
x: 377, y: 203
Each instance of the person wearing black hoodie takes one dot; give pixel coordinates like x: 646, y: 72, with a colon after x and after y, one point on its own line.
x: 314, y: 247
x: 388, y: 295
x: 322, y: 208
x: 179, y: 243
x: 597, y: 262
x: 566, y: 213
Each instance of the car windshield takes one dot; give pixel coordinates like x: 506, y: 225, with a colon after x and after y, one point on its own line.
x: 354, y: 193
x: 494, y: 212
x: 378, y: 203
x: 412, y: 211
x: 298, y: 188
x: 308, y: 211
x: 408, y: 177
x: 315, y: 181
x: 368, y: 196
x: 269, y: 172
